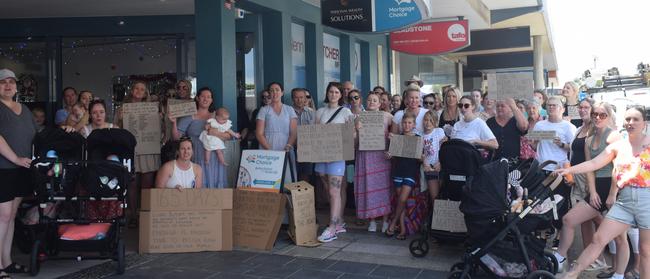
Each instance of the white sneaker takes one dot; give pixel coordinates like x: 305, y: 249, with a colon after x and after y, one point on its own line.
x: 597, y: 265
x: 384, y: 227
x: 563, y: 266
x: 372, y: 226
x: 327, y: 235
x: 340, y: 228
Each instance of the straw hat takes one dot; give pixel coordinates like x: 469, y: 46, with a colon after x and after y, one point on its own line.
x: 414, y: 78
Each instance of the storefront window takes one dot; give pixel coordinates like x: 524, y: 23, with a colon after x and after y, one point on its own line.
x: 332, y: 58
x: 298, y: 55
x: 28, y: 60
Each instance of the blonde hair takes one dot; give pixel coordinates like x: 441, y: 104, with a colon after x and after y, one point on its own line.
x: 611, y: 118
x: 451, y: 89
x: 433, y: 116
x: 129, y: 96
x: 573, y: 86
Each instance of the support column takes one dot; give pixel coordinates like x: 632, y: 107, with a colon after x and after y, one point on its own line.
x: 459, y: 75
x: 538, y: 63
x: 314, y: 59
x: 346, y: 47
x: 277, y: 50
x: 215, y: 52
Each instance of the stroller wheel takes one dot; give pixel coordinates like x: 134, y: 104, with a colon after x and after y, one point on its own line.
x: 457, y: 275
x: 419, y: 248
x: 121, y: 262
x: 34, y: 261
x: 554, y: 265
x: 457, y: 267
x: 540, y: 274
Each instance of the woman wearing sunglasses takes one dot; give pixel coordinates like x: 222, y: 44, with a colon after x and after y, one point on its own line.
x: 354, y: 100
x: 628, y: 202
x: 600, y: 133
x: 471, y: 128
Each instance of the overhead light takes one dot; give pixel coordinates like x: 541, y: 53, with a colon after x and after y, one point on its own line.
x: 121, y: 23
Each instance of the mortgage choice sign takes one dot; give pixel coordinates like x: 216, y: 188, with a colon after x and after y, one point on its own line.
x: 431, y: 38
x: 261, y: 169
x: 372, y: 15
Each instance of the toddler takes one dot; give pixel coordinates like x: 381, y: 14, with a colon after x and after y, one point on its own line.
x: 222, y: 123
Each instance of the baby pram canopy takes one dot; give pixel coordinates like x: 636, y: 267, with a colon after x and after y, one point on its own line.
x: 105, y: 177
x: 68, y: 146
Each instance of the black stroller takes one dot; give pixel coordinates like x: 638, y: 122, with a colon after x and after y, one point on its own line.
x: 504, y: 243
x: 98, y: 200
x: 459, y: 161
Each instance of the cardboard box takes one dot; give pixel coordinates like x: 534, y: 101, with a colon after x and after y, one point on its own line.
x: 191, y: 220
x: 302, y: 214
x: 257, y: 217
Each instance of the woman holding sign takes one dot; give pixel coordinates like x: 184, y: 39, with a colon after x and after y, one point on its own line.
x: 372, y: 176
x: 572, y: 103
x: 146, y: 165
x: 331, y: 173
x: 214, y: 174
x: 277, y: 125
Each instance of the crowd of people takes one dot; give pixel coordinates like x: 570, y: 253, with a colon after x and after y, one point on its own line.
x: 610, y: 167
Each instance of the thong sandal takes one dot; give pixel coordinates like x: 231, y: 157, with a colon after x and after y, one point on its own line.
x: 400, y: 237
x: 389, y: 232
x: 15, y: 268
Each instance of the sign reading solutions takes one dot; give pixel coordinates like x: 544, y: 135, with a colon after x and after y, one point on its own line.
x: 372, y: 15
x: 431, y: 38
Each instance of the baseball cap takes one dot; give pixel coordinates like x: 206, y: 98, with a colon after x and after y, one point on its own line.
x: 6, y: 73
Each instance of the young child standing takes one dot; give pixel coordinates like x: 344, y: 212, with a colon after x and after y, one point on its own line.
x: 432, y: 139
x: 405, y: 171
x: 222, y: 123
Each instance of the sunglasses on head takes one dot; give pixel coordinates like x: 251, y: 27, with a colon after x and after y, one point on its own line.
x: 354, y: 97
x: 429, y: 103
x: 601, y: 115
x: 465, y: 105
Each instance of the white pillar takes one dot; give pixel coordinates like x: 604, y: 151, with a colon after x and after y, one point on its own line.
x: 459, y: 75
x: 538, y: 63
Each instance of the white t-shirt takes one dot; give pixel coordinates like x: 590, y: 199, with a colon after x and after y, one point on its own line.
x: 473, y: 130
x: 546, y: 149
x: 431, y: 143
x: 323, y: 115
x: 397, y: 120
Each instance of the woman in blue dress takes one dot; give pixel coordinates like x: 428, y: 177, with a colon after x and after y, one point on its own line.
x: 214, y: 173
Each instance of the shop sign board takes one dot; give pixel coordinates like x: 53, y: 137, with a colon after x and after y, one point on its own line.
x: 431, y: 38
x: 373, y: 15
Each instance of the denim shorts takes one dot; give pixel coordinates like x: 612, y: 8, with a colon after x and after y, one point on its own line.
x: 632, y: 207
x: 336, y: 168
x: 403, y: 181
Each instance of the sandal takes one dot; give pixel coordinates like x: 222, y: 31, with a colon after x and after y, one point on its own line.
x: 15, y: 268
x: 400, y: 237
x: 4, y: 275
x: 389, y: 232
x: 605, y: 273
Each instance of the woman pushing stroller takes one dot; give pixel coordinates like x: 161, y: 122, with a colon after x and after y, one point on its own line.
x: 631, y: 158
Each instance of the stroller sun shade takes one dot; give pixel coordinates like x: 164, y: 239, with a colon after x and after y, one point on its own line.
x: 486, y: 196
x: 458, y: 157
x: 67, y: 145
x: 104, y: 142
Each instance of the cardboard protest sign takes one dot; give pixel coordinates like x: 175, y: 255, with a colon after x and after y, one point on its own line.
x: 405, y: 146
x: 572, y: 112
x: 325, y: 142
x: 371, y: 134
x: 302, y: 214
x: 143, y: 121
x: 179, y: 108
x: 261, y: 170
x: 541, y: 135
x: 447, y: 216
x: 257, y: 217
x: 518, y: 85
x: 191, y: 220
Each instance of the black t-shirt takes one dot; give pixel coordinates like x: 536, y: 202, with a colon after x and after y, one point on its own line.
x: 508, y: 138
x: 442, y: 122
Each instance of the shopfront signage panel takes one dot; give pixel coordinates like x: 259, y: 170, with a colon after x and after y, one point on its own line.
x: 431, y: 38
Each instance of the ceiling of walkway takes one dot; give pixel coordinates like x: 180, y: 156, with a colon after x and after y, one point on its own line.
x: 89, y: 8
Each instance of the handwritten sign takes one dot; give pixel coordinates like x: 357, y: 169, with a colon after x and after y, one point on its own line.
x: 302, y: 214
x: 447, y: 216
x: 257, y: 217
x: 190, y: 199
x: 541, y: 135
x: 143, y: 121
x: 405, y: 146
x: 261, y: 170
x: 179, y: 108
x: 325, y: 142
x: 371, y: 134
x: 510, y: 85
x: 572, y: 112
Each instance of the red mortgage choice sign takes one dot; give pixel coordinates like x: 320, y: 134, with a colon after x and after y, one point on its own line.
x: 431, y: 38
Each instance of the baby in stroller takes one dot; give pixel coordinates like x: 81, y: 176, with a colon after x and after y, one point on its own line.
x: 505, y: 207
x: 97, y: 196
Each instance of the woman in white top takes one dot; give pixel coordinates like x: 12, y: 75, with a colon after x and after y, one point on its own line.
x: 331, y: 173
x: 97, y: 120
x: 181, y: 173
x: 412, y: 102
x: 471, y: 128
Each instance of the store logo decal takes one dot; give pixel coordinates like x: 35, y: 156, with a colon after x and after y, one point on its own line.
x: 457, y: 33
